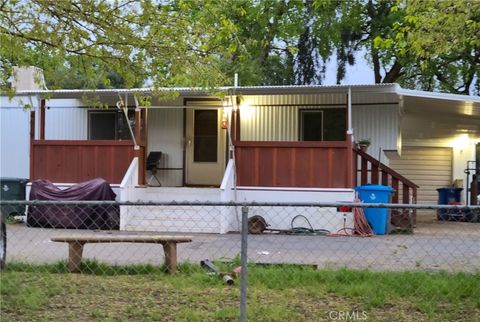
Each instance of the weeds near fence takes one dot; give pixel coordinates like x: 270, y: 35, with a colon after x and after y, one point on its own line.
x: 278, y: 292
x: 390, y: 277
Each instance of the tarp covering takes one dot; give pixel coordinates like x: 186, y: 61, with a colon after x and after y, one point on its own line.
x: 73, y: 216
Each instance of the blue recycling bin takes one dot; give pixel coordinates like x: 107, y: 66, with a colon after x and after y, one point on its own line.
x: 448, y: 196
x: 376, y: 217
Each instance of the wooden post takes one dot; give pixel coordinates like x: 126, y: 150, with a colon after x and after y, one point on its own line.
x: 395, y: 188
x: 32, y: 138
x: 384, y: 178
x: 170, y: 250
x: 138, y: 126
x: 75, y: 252
x: 42, y: 120
x: 374, y: 173
x: 405, y: 193
x: 350, y: 166
x: 145, y: 127
x: 355, y: 167
x: 364, y: 171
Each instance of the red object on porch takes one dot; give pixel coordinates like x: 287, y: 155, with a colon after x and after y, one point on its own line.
x: 77, y: 161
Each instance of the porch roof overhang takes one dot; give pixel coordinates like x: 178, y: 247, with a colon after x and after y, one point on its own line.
x: 197, y: 91
x: 361, y: 94
x: 425, y: 114
x: 438, y: 116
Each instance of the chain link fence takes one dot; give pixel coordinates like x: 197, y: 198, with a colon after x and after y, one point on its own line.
x: 233, y: 243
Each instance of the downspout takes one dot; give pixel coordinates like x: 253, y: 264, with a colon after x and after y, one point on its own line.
x: 121, y: 106
x: 137, y: 152
x: 234, y: 105
x: 349, y: 111
x: 350, y: 153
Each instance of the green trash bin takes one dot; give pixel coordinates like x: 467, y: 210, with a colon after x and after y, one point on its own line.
x: 12, y: 189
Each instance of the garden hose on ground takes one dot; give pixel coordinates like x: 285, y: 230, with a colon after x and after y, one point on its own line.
x: 305, y: 230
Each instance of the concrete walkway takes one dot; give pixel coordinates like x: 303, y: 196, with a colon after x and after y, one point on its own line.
x: 434, y: 246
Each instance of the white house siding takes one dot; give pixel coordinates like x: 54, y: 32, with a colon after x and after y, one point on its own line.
x: 380, y: 124
x: 187, y: 219
x: 165, y: 134
x: 14, y: 142
x: 430, y: 168
x: 270, y: 118
x: 269, y: 123
x: 66, y: 123
x: 461, y: 153
x: 15, y: 135
x: 284, y: 217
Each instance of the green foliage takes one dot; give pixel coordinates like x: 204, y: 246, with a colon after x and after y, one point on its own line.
x: 432, y: 45
x: 97, y: 44
x: 438, y: 42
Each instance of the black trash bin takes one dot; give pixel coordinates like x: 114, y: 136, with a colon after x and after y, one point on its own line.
x: 12, y: 189
x: 448, y: 196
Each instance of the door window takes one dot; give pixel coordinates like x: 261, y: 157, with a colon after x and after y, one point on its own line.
x: 205, y: 136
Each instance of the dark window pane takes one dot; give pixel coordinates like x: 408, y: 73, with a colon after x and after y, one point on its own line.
x: 205, y: 136
x: 123, y: 131
x: 311, y: 125
x: 102, y: 126
x: 334, y: 124
x: 327, y: 124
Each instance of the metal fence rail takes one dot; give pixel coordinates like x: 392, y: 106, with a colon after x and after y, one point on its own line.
x: 234, y: 237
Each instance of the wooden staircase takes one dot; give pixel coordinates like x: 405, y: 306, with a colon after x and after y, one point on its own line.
x: 368, y: 170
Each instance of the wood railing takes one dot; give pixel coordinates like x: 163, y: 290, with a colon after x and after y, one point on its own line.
x: 294, y: 164
x: 368, y: 170
x: 75, y: 161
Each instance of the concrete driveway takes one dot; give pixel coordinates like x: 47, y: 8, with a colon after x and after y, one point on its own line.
x: 434, y: 246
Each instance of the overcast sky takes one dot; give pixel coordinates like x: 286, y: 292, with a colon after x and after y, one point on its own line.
x: 360, y: 73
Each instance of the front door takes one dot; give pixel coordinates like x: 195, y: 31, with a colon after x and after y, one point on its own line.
x: 205, y: 146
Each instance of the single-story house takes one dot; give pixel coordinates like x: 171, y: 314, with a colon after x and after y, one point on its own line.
x: 258, y: 143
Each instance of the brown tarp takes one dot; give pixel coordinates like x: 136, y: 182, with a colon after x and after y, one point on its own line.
x: 73, y: 216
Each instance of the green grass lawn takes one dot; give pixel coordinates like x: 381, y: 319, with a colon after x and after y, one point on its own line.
x: 275, y: 293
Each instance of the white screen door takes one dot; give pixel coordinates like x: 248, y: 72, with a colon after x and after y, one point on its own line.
x: 205, y: 146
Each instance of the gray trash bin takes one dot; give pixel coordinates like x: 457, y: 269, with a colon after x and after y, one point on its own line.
x: 12, y: 189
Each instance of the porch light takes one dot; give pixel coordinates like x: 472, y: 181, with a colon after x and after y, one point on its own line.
x: 226, y: 114
x: 461, y: 142
x: 246, y: 110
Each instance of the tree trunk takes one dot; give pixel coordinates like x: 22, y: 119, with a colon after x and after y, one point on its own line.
x: 394, y: 73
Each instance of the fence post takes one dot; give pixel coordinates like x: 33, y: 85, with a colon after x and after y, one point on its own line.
x: 243, y: 259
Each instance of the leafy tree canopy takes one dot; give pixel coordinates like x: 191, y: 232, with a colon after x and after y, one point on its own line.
x: 84, y: 43
x: 426, y: 44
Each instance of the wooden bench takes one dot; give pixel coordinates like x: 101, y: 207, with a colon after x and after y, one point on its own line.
x: 76, y: 241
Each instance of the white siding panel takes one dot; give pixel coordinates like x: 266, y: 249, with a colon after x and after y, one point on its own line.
x: 18, y: 102
x: 165, y: 134
x: 300, y: 99
x: 66, y: 123
x: 14, y: 142
x: 380, y: 124
x: 271, y: 118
